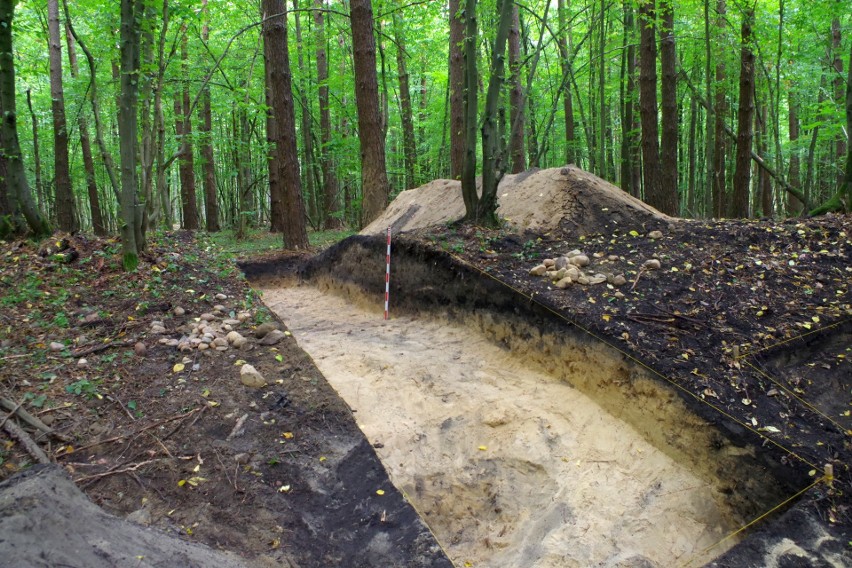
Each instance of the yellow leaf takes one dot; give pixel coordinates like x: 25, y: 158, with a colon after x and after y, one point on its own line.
x: 205, y: 393
x: 181, y: 483
x: 815, y: 319
x: 634, y: 234
x: 194, y: 481
x: 178, y: 367
x: 284, y: 489
x: 322, y: 458
x: 685, y: 355
x: 812, y: 472
x: 483, y: 448
x: 606, y: 317
x: 196, y: 469
x: 288, y: 435
x: 213, y: 404
x: 380, y: 492
x: 239, y: 362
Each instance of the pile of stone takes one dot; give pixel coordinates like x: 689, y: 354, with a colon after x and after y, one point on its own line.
x: 575, y: 268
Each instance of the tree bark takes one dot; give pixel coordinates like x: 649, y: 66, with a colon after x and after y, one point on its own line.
x: 285, y: 153
x: 720, y: 110
x: 65, y: 217
x: 838, y: 84
x: 331, y: 187
x: 493, y: 167
x: 312, y: 175
x: 457, y: 90
x: 186, y: 164
x: 409, y: 145
x: 374, y: 177
x: 516, y: 95
x: 794, y: 205
x: 17, y: 187
x: 208, y: 167
x: 567, y: 101
x: 41, y: 198
x: 709, y: 133
x: 98, y: 225
x: 668, y: 144
x: 648, y: 104
x: 745, y: 120
x: 471, y: 111
x: 127, y: 129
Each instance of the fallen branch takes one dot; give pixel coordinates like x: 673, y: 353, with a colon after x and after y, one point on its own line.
x: 98, y: 348
x: 11, y: 413
x: 26, y: 442
x: 32, y: 420
x: 96, y: 476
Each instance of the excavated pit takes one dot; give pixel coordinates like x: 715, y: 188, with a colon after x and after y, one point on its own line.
x: 521, y: 440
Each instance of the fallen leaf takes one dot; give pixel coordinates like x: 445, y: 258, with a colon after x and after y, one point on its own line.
x: 483, y: 448
x: 178, y: 367
x: 380, y: 492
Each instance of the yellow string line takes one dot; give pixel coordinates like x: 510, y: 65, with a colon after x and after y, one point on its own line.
x: 745, y: 425
x: 752, y: 522
x: 800, y: 399
x: 794, y: 338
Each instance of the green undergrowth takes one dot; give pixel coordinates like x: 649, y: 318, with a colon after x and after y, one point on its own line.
x: 260, y: 241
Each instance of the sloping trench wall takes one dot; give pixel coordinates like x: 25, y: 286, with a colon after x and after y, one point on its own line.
x: 428, y: 280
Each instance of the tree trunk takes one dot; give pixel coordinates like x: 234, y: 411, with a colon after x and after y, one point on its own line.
x: 208, y: 167
x: 127, y: 128
x: 98, y: 225
x: 492, y: 166
x: 693, y: 126
x: 720, y: 110
x: 457, y: 90
x: 331, y: 187
x: 471, y: 111
x: 668, y: 144
x: 794, y: 206
x: 41, y: 198
x: 146, y: 121
x: 648, y: 104
x: 567, y: 101
x: 374, y: 177
x: 745, y: 120
x: 17, y: 188
x: 709, y: 133
x: 764, y: 181
x: 516, y: 95
x: 306, y: 127
x: 284, y: 153
x: 409, y: 145
x: 65, y: 218
x: 186, y: 164
x: 838, y: 84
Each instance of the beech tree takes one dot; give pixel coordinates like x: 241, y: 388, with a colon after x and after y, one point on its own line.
x: 65, y: 218
x: 745, y: 120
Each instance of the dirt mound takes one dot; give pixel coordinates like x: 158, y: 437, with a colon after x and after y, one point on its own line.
x: 538, y: 200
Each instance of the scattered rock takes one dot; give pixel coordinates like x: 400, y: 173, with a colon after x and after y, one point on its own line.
x: 220, y: 342
x: 243, y: 316
x: 273, y: 337
x: 573, y: 273
x: 561, y: 262
x: 265, y: 328
x: 619, y: 280
x: 243, y: 458
x: 233, y: 322
x: 158, y: 329
x: 597, y: 279
x: 652, y: 264
x: 575, y: 252
x: 548, y: 262
x: 83, y: 362
x: 221, y: 297
x: 56, y: 346
x: 538, y: 270
x: 235, y: 339
x: 584, y: 280
x: 203, y: 346
x: 219, y: 308
x: 655, y: 235
x: 619, y: 295
x: 171, y: 342
x: 178, y: 311
x: 207, y: 317
x: 251, y: 377
x: 564, y: 283
x: 140, y: 349
x: 92, y: 317
x: 579, y: 260
x: 613, y: 257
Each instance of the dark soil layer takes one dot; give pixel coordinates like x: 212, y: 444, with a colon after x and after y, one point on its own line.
x: 280, y: 475
x: 747, y: 322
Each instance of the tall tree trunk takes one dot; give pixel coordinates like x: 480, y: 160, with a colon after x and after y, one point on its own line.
x: 745, y: 114
x: 648, y: 104
x: 668, y: 142
x: 146, y: 121
x: 457, y: 90
x: 186, y: 163
x: 98, y: 225
x: 131, y: 238
x: 18, y: 189
x: 285, y: 153
x: 276, y: 188
x: 720, y: 110
x: 306, y: 125
x: 66, y: 220
x: 409, y: 145
x: 516, y: 95
x: 208, y: 167
x: 374, y: 177
x: 161, y: 187
x: 709, y: 132
x: 764, y: 181
x: 567, y: 101
x: 471, y: 111
x: 41, y: 198
x: 693, y: 126
x: 839, y: 91
x: 331, y: 187
x: 794, y: 206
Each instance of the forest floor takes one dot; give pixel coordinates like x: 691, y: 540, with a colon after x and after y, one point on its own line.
x: 748, y: 322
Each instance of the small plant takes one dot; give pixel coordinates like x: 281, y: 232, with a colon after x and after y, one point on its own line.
x: 83, y: 387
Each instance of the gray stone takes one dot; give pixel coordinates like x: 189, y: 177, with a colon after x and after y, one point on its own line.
x: 597, y: 279
x: 178, y: 311
x: 579, y: 260
x: 655, y: 235
x: 251, y: 377
x: 652, y: 264
x: 83, y: 362
x: 564, y: 283
x: 203, y: 346
x: 207, y: 317
x: 584, y: 280
x: 220, y: 342
x: 538, y: 270
x: 221, y: 297
x: 561, y: 262
x: 619, y: 280
x: 56, y: 346
x: 273, y: 337
x: 231, y: 321
x: 265, y: 328
x: 548, y: 262
x: 158, y: 329
x: 575, y: 252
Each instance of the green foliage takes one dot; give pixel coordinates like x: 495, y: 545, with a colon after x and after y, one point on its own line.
x: 83, y: 387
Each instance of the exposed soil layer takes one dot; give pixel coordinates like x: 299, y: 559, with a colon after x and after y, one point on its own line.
x: 510, y: 465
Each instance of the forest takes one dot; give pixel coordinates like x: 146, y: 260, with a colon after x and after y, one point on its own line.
x: 157, y: 114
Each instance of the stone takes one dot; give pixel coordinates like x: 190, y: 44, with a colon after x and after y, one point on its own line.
x: 140, y: 349
x: 220, y: 342
x: 231, y: 321
x: 273, y: 337
x: 264, y: 328
x: 598, y: 255
x: 613, y: 257
x: 243, y: 458
x: 597, y: 279
x: 219, y: 308
x: 538, y: 270
x: 655, y: 235
x: 564, y: 283
x: 56, y: 346
x: 185, y: 346
x: 548, y: 262
x: 221, y: 297
x: 92, y: 317
x: 652, y: 264
x: 251, y: 377
x: 83, y: 362
x: 584, y: 280
x: 240, y: 342
x: 575, y: 252
x: 172, y: 343
x: 207, y: 317
x: 233, y: 336
x: 203, y: 346
x: 619, y: 280
x: 157, y: 322
x: 561, y: 262
x: 178, y: 311
x: 573, y: 273
x: 579, y: 260
x: 243, y: 316
x: 619, y: 295
x: 158, y: 329
x: 560, y: 274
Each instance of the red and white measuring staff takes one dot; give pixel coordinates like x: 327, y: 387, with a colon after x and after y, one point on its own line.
x: 387, y: 275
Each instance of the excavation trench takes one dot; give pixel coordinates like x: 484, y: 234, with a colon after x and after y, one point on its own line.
x: 520, y: 442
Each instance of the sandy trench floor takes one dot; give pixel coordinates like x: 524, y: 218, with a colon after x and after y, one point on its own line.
x: 510, y: 467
